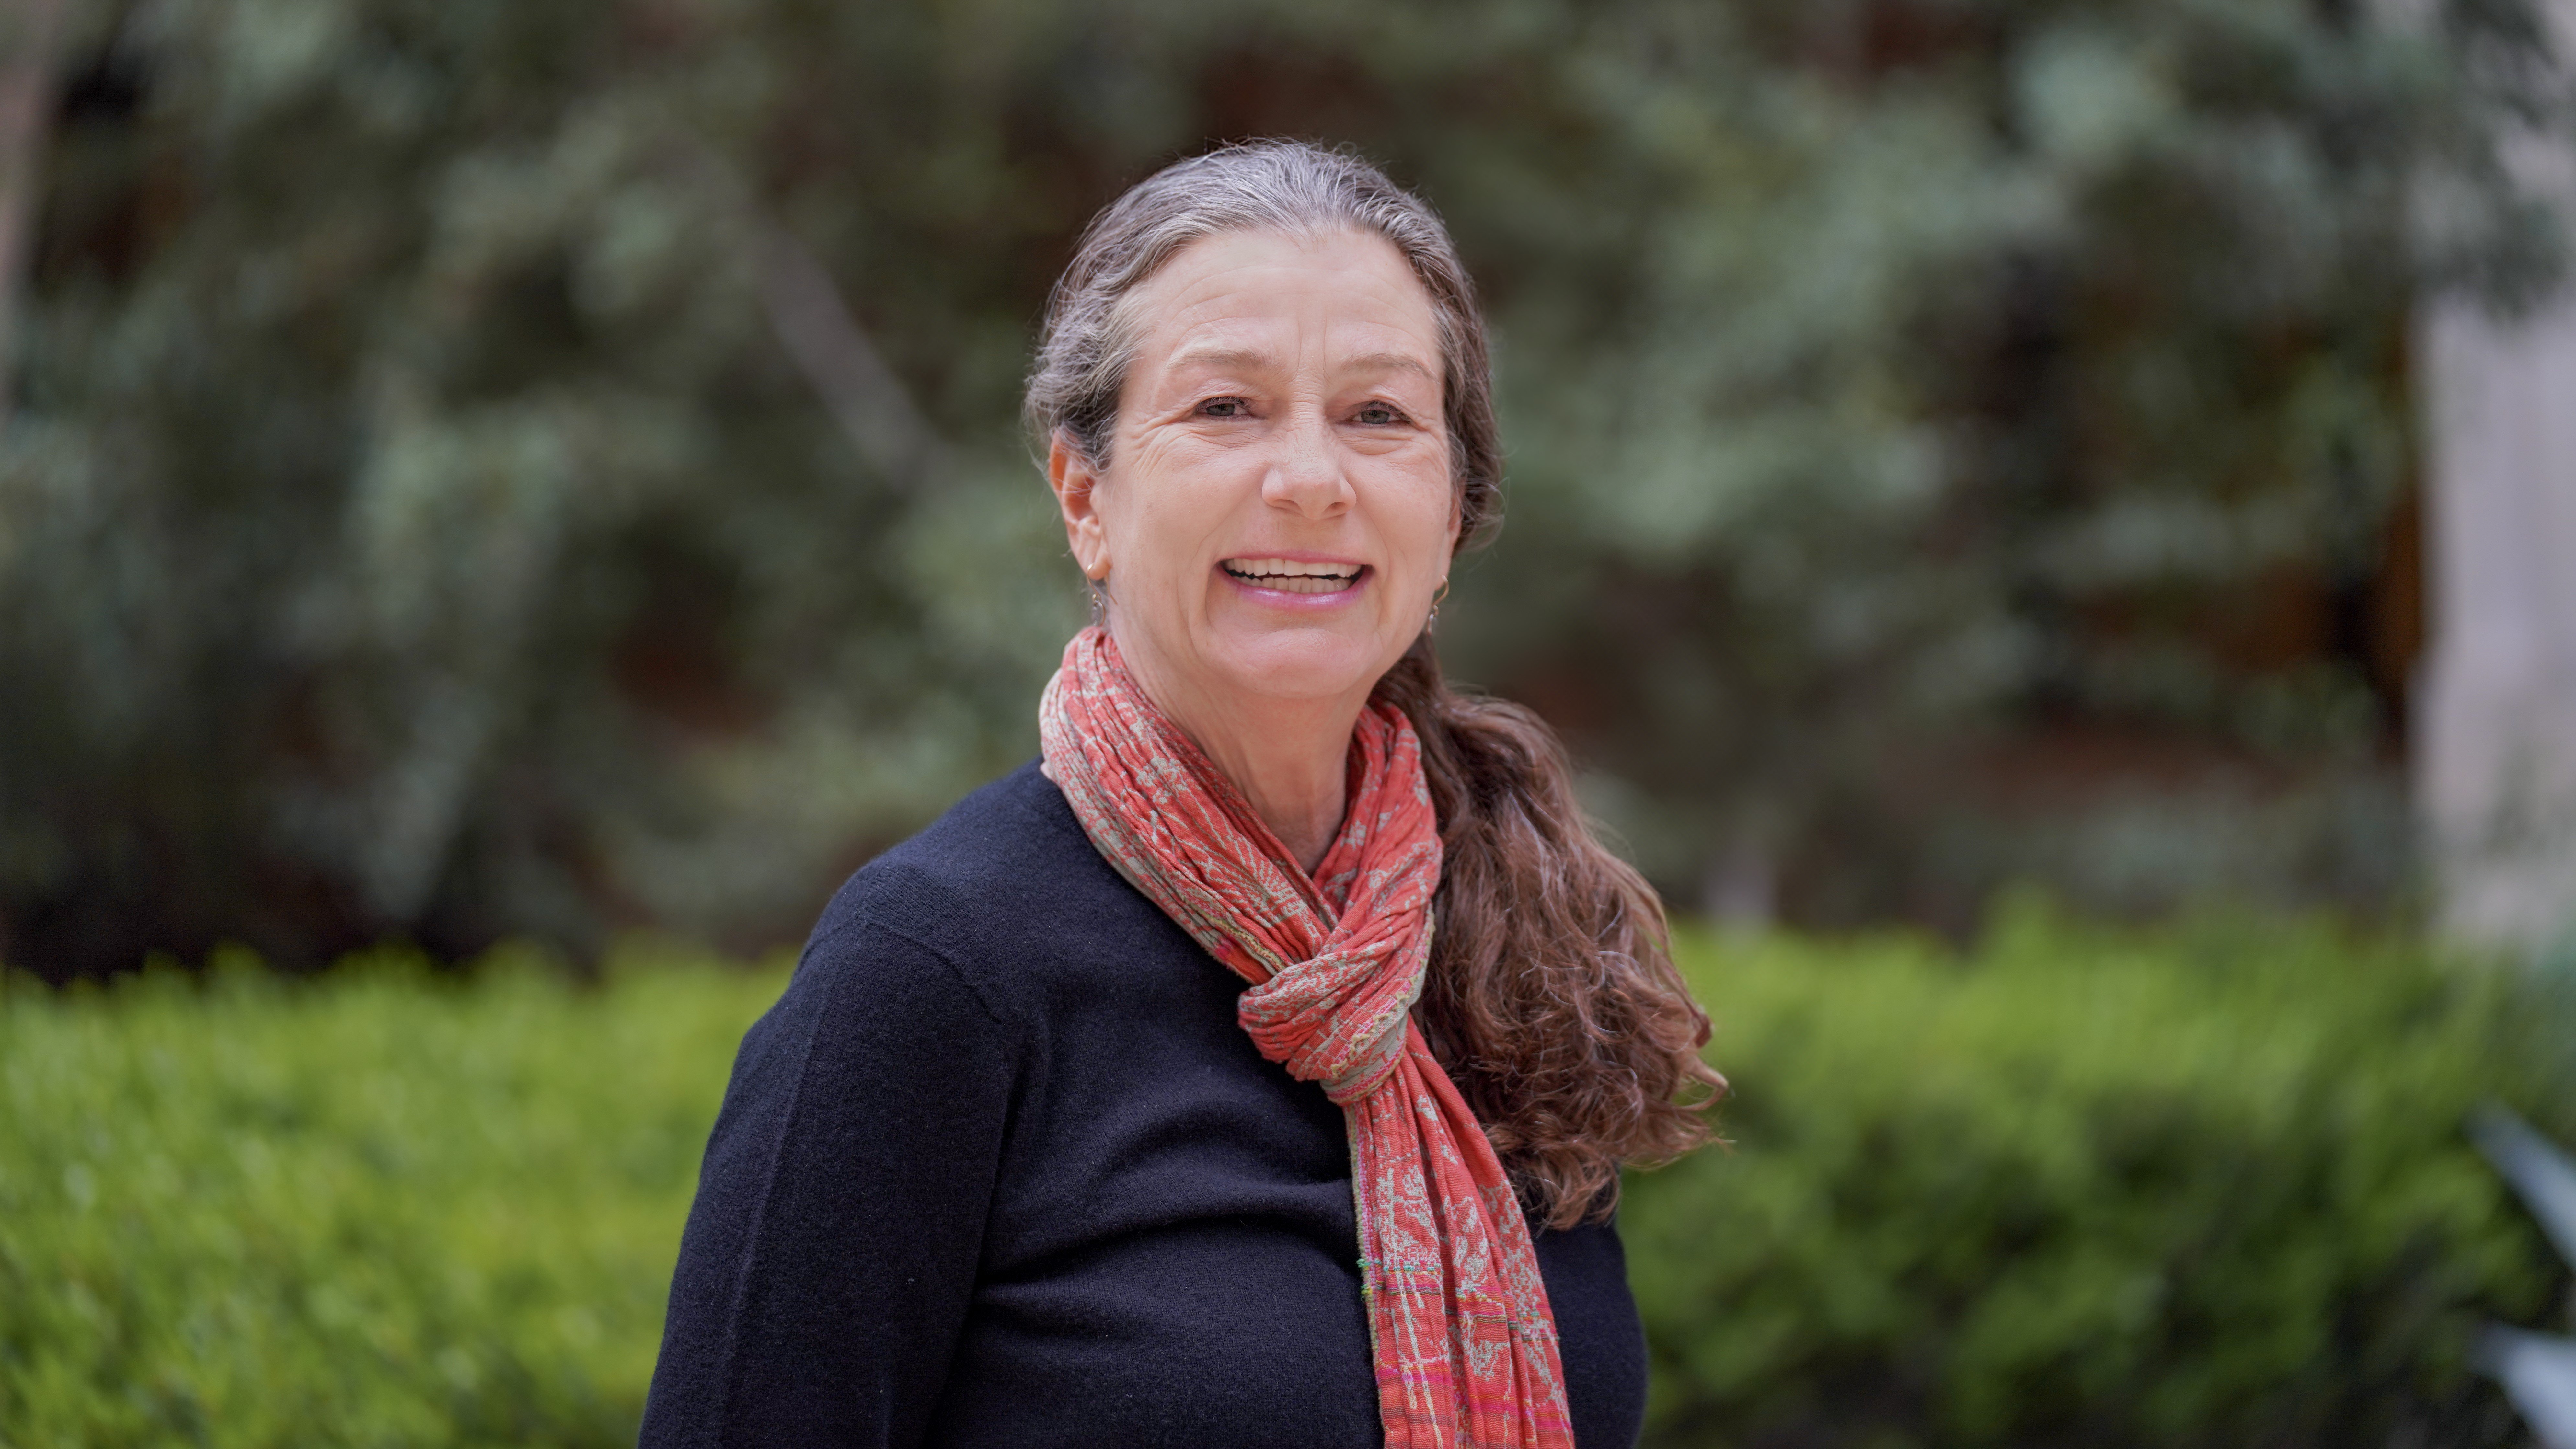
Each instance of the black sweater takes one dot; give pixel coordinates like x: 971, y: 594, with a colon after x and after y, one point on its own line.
x: 1000, y: 1169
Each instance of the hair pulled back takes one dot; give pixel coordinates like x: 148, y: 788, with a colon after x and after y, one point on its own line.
x: 1551, y: 1000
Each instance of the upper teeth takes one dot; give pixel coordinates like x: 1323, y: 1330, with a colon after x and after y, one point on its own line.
x: 1289, y: 566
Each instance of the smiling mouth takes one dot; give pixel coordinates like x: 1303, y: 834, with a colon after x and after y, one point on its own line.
x: 1291, y: 577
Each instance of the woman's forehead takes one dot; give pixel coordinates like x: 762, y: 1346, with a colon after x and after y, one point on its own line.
x: 1239, y: 299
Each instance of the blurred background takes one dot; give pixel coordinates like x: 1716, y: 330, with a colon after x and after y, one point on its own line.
x: 481, y: 470
x: 2045, y: 523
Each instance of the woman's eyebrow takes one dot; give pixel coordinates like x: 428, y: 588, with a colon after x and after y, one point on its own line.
x: 1390, y: 362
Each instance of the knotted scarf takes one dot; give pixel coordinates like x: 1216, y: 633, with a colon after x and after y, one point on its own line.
x: 1464, y: 1345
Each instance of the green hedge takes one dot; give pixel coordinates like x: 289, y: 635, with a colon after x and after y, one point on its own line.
x: 384, y: 1209
x: 2203, y: 1186
x: 2198, y: 1187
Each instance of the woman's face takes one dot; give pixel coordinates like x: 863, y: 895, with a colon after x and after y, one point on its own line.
x: 1277, y: 511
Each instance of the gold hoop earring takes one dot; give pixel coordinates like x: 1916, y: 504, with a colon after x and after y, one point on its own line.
x: 1435, y: 606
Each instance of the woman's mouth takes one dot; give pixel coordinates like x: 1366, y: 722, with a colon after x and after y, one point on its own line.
x: 1291, y: 576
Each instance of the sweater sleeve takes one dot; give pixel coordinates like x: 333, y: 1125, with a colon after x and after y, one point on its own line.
x: 832, y: 1249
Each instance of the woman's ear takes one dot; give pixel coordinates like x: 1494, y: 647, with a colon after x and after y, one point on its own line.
x: 1072, y: 478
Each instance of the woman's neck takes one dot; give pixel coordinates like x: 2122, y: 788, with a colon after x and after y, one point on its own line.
x: 1289, y: 757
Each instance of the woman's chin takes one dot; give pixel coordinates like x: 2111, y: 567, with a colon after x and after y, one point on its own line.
x: 1291, y: 662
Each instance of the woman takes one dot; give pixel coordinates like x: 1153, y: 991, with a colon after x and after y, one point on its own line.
x: 1137, y: 1101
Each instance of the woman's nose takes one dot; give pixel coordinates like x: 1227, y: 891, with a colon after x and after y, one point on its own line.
x: 1306, y: 471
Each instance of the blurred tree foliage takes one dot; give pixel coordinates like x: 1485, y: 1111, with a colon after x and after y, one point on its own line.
x: 1938, y: 427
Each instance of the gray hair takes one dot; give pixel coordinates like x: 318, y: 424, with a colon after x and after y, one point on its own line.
x: 1275, y: 186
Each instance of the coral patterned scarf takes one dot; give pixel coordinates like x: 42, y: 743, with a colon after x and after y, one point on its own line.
x: 1464, y: 1344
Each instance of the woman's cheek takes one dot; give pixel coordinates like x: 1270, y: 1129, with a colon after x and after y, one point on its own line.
x: 1428, y: 516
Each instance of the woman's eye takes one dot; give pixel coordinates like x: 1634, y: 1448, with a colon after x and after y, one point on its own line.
x: 1378, y: 415
x: 1222, y: 407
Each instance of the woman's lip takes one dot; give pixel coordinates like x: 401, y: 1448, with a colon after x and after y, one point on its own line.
x: 1286, y: 599
x: 1292, y: 555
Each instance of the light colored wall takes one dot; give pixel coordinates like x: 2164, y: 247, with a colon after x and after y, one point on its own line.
x: 2496, y: 744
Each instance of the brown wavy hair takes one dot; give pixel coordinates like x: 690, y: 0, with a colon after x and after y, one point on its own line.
x: 1552, y: 1000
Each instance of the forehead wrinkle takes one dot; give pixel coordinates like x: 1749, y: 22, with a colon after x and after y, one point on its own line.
x: 1252, y: 359
x: 1221, y: 355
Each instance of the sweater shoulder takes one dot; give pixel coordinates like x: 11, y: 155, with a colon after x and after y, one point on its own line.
x: 1003, y: 884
